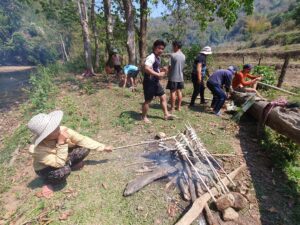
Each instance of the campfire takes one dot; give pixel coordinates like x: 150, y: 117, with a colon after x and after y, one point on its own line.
x: 197, y: 174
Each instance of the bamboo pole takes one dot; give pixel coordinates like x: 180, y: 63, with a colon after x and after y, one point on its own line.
x: 277, y: 88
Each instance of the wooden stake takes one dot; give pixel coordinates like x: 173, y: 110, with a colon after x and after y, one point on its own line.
x: 283, y: 71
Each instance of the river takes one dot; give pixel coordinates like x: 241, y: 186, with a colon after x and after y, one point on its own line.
x: 12, y: 84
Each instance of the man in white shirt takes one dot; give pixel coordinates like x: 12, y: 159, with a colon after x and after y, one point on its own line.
x: 151, y: 85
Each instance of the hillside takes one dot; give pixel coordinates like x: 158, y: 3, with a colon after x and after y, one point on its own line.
x: 270, y: 17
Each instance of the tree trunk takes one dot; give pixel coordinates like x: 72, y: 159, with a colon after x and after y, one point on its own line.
x: 283, y: 71
x: 109, y: 25
x: 129, y: 16
x: 82, y: 6
x: 64, y: 49
x: 283, y: 121
x: 95, y: 31
x: 143, y: 30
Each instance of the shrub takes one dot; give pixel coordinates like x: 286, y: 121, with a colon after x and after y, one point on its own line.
x: 190, y: 54
x: 268, y: 72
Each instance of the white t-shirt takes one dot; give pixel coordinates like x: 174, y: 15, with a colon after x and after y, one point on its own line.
x: 150, y: 60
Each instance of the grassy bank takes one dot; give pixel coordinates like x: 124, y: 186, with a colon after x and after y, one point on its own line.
x: 94, y: 194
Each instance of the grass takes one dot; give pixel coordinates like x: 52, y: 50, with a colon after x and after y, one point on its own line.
x: 286, y: 157
x: 94, y: 194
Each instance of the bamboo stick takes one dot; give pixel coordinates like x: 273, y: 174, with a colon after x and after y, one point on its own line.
x: 144, y: 143
x: 277, y: 88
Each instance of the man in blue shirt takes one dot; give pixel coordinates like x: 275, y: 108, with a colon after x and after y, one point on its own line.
x: 198, y: 75
x: 216, y: 82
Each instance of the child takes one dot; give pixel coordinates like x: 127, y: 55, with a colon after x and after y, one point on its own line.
x: 131, y: 73
x: 57, y: 150
x: 151, y: 84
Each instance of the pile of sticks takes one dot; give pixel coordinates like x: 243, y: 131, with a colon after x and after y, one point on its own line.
x: 193, y: 169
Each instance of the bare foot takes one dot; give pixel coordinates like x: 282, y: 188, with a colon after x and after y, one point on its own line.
x: 169, y: 117
x: 47, y: 191
x: 146, y: 120
x: 178, y: 108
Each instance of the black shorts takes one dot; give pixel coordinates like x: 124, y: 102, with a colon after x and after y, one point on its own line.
x: 133, y: 74
x: 118, y: 68
x: 151, y: 90
x: 175, y: 85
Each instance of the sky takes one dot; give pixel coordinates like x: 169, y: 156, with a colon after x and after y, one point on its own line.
x: 156, y: 11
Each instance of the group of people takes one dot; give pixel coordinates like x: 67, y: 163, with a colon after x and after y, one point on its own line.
x: 57, y: 150
x: 229, y: 79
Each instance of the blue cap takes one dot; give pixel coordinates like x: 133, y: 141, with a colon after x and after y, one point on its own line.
x: 233, y: 69
x: 247, y: 66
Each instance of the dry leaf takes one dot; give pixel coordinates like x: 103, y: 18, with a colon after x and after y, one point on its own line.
x: 65, y: 215
x: 104, y: 186
x: 172, y: 209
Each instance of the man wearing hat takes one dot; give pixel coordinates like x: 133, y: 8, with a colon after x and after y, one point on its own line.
x: 241, y: 84
x: 216, y: 82
x: 57, y: 150
x: 198, y: 75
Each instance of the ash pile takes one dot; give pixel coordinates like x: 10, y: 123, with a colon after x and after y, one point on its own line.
x: 199, y: 177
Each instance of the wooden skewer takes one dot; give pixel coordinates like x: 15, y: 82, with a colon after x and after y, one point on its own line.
x: 144, y: 143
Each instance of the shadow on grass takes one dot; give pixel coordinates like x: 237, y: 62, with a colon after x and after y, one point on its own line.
x: 39, y: 182
x: 137, y: 116
x: 91, y: 162
x: 274, y: 191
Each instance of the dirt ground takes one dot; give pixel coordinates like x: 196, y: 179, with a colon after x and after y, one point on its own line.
x: 93, y: 195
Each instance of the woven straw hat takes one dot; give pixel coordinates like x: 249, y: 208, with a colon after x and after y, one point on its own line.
x: 206, y: 50
x: 44, y: 124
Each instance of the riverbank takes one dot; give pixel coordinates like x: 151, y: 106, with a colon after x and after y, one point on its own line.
x: 11, y: 69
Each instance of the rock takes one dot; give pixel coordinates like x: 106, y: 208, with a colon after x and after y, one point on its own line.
x: 240, y: 201
x: 225, y: 202
x: 230, y: 214
x: 160, y: 135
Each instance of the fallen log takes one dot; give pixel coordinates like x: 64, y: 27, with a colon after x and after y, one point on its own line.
x: 282, y: 120
x: 200, y: 203
x: 142, y: 181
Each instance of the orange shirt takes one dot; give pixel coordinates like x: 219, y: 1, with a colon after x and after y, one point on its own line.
x: 240, y: 80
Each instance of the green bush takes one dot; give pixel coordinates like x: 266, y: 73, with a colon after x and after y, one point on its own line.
x: 268, y: 72
x: 190, y: 54
x: 281, y: 149
x: 42, y: 89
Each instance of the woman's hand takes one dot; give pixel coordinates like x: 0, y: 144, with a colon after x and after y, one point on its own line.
x: 62, y: 137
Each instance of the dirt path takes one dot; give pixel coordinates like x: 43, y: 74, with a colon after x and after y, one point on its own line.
x: 94, y: 194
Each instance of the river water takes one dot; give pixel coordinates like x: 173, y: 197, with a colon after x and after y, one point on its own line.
x: 12, y: 86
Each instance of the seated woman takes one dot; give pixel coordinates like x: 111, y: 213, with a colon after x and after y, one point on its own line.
x: 56, y: 150
x: 240, y: 83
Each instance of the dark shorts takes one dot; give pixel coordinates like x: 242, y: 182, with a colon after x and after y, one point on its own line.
x: 175, y: 85
x: 151, y: 90
x: 118, y: 68
x: 133, y: 74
